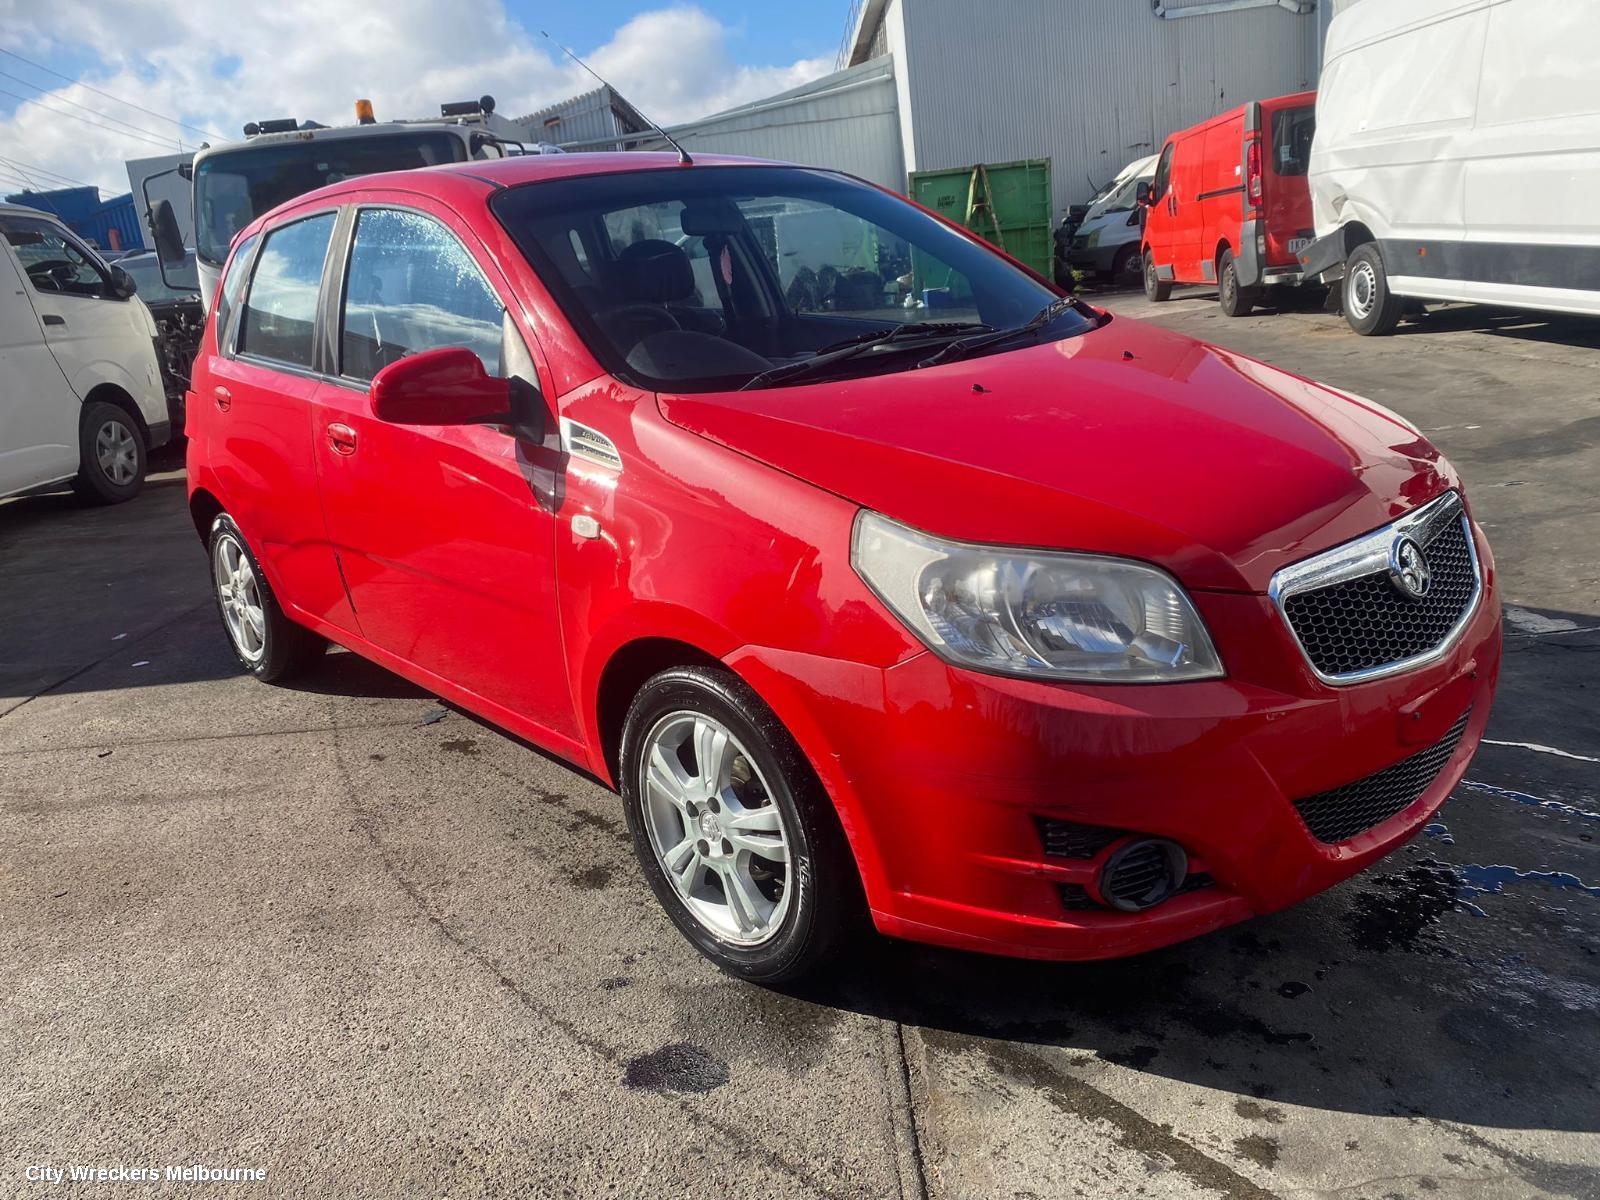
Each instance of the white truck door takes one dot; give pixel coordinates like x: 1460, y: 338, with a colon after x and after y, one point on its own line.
x: 38, y: 408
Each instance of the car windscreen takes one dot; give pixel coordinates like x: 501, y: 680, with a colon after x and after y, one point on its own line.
x: 153, y: 289
x: 233, y: 189
x: 1292, y: 130
x: 704, y: 278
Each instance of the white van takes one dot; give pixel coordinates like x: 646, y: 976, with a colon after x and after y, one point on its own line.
x: 1107, y: 240
x: 83, y: 402
x: 1457, y: 156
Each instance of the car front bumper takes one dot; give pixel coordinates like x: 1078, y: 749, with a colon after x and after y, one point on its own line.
x: 942, y: 776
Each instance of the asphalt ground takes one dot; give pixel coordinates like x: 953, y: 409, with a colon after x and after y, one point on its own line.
x: 328, y: 933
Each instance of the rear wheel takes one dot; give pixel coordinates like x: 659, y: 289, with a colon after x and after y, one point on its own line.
x: 1370, y: 308
x: 1236, y: 300
x: 111, y: 455
x: 1128, y: 267
x: 266, y: 643
x: 1156, y: 289
x: 735, y: 835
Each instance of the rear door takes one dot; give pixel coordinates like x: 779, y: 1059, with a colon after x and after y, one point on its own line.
x: 446, y: 533
x: 38, y: 408
x: 1286, y: 195
x: 260, y: 427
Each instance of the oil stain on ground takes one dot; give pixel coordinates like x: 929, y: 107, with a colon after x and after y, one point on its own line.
x: 679, y: 1067
x: 1399, y: 911
x: 467, y: 746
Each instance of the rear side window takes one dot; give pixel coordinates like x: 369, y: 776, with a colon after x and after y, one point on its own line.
x: 1291, y: 140
x: 280, y: 311
x: 412, y: 286
x: 232, y: 285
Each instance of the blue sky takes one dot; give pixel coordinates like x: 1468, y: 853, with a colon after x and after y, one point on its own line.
x: 147, y: 75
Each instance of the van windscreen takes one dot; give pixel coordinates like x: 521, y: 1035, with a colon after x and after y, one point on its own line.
x: 1291, y: 140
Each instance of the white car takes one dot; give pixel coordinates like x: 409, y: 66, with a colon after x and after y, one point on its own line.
x: 83, y: 398
x: 1457, y: 156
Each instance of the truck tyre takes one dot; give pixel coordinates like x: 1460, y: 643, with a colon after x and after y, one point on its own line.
x: 1126, y: 267
x: 736, y: 836
x: 1235, y: 299
x: 1370, y: 308
x: 1155, y: 289
x: 111, y: 455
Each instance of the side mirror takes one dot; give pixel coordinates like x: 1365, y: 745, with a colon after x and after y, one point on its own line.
x: 447, y: 386
x: 122, y: 284
x: 1142, y: 194
x: 169, y: 239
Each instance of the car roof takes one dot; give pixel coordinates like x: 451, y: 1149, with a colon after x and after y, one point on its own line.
x: 24, y: 210
x: 480, y: 177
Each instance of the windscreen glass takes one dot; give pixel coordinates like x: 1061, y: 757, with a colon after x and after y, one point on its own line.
x: 698, y: 279
x: 233, y: 189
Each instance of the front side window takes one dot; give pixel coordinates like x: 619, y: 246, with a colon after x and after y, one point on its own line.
x: 280, y: 310
x: 1292, y: 130
x: 56, y: 263
x: 705, y: 279
x: 412, y: 286
x: 233, y: 188
x: 1163, y: 176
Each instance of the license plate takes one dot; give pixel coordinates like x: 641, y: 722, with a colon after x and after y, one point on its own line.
x: 1298, y: 246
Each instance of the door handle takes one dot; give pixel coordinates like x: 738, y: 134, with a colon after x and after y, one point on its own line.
x: 52, y: 319
x: 342, y: 438
x: 223, y: 397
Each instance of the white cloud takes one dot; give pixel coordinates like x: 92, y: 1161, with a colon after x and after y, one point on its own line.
x: 218, y: 64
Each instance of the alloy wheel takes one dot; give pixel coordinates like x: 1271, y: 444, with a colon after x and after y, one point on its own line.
x: 239, y: 596
x: 714, y: 828
x: 117, y: 453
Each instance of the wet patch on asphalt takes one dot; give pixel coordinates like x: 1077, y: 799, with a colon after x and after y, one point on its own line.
x: 1263, y: 1151
x: 679, y: 1067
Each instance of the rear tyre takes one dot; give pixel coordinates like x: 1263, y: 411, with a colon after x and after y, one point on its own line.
x: 1370, y: 308
x: 1235, y: 299
x: 267, y: 644
x: 1156, y: 289
x: 735, y: 835
x: 111, y: 455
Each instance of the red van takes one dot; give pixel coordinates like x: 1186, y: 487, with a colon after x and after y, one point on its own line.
x: 1229, y: 204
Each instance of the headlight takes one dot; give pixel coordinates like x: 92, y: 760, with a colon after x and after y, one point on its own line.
x: 1035, y: 613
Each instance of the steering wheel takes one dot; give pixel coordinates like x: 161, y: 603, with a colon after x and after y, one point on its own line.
x: 637, y: 319
x: 50, y: 272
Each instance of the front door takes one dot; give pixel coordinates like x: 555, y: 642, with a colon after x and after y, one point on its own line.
x: 38, y: 408
x: 444, y: 534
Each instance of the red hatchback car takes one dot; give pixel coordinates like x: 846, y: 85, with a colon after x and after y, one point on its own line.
x: 1016, y: 626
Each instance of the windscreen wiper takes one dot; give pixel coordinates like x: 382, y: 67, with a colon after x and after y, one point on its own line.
x: 902, y: 330
x: 912, y: 331
x: 971, y: 345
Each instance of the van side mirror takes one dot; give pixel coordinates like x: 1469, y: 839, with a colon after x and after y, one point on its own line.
x: 1141, y: 195
x: 447, y: 386
x: 122, y: 284
x: 169, y: 239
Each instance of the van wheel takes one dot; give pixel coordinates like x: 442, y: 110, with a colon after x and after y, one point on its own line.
x: 1370, y: 308
x: 1155, y: 289
x: 111, y: 455
x: 1236, y: 301
x: 735, y: 835
x: 1127, y: 267
x: 266, y: 643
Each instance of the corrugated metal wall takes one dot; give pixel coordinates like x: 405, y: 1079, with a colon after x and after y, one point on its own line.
x: 588, y: 122
x: 847, y: 121
x: 1090, y: 84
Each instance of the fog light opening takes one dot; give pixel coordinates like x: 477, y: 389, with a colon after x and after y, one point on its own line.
x: 1141, y: 874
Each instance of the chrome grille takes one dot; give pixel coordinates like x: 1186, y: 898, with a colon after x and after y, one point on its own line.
x: 1354, y: 623
x: 1341, y: 813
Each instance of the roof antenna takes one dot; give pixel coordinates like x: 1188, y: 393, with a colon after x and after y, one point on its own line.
x: 683, y: 155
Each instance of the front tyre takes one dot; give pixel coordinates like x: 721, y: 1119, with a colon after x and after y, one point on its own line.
x: 1156, y: 289
x: 1370, y: 308
x: 266, y: 643
x: 733, y: 831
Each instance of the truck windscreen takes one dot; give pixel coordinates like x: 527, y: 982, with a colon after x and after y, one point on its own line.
x: 232, y: 189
